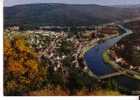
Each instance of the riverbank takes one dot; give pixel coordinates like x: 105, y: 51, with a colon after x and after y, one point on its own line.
x: 93, y: 43
x: 107, y: 59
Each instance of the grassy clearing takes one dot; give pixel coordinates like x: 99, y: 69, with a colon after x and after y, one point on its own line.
x: 106, y: 57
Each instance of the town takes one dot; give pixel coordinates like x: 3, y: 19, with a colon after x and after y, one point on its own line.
x: 60, y: 46
x: 71, y: 48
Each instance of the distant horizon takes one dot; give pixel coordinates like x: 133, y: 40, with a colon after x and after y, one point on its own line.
x: 10, y: 3
x: 69, y: 4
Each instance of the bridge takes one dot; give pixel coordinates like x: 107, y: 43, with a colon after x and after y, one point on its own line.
x: 106, y: 76
x: 112, y: 75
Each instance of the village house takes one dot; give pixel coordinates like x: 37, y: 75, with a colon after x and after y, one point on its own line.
x: 14, y: 28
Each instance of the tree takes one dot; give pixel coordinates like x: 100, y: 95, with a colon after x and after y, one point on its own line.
x: 21, y: 66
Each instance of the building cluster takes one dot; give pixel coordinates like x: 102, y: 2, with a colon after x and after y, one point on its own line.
x: 109, y: 29
x: 48, y: 45
x: 120, y: 60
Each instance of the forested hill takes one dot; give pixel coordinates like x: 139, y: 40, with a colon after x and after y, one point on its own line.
x: 65, y: 14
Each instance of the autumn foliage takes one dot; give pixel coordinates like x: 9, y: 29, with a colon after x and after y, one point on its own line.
x: 21, y: 66
x: 26, y: 74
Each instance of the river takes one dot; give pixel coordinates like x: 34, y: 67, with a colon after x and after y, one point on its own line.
x: 95, y: 62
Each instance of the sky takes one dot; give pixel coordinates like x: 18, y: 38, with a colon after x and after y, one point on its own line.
x: 100, y: 2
